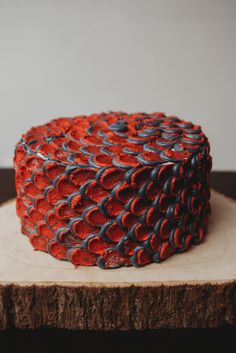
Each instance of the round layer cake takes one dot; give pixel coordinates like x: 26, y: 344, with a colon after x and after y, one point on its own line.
x: 113, y: 189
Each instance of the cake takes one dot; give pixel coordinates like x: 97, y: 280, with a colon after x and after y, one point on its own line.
x: 113, y: 189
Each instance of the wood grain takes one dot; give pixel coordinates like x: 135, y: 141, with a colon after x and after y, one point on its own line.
x: 194, y: 289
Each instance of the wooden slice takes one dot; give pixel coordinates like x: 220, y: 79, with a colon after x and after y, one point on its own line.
x: 192, y: 289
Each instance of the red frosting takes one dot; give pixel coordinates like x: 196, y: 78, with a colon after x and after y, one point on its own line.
x: 113, y: 189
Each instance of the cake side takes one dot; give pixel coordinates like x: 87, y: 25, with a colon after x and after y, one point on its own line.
x: 113, y: 189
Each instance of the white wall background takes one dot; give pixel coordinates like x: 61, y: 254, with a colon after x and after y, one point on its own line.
x: 65, y: 57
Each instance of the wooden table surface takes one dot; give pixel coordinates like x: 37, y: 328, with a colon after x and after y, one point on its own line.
x: 54, y: 340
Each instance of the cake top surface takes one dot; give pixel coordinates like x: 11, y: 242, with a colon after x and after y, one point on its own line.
x: 115, y: 139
